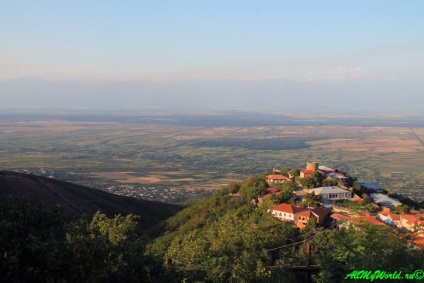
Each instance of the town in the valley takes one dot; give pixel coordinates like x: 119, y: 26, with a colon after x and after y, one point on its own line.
x: 329, y: 197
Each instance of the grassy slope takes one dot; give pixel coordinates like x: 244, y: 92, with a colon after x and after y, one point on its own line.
x: 78, y: 199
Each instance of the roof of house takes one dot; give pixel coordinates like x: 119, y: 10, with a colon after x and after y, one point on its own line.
x: 328, y: 190
x: 357, y: 200
x: 336, y: 175
x: 307, y: 171
x: 395, y: 217
x: 369, y: 185
x: 271, y: 190
x: 385, y: 199
x: 277, y: 177
x: 339, y: 216
x: 321, y: 212
x: 371, y: 220
x: 325, y: 168
x: 413, y: 218
x: 288, y: 208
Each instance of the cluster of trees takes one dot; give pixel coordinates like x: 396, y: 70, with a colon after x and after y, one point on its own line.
x: 340, y: 251
x: 235, y: 248
x: 313, y: 181
x: 39, y: 245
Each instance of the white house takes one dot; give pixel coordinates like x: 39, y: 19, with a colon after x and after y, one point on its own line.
x: 285, y: 211
x: 331, y: 193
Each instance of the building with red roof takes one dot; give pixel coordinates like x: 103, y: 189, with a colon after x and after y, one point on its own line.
x: 306, y: 173
x: 412, y: 222
x: 300, y: 216
x: 285, y: 211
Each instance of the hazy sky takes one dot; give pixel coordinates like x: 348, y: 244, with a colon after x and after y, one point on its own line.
x: 334, y: 44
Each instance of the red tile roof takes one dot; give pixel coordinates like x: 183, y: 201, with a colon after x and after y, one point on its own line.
x: 373, y: 221
x: 411, y: 219
x: 395, y: 217
x: 339, y: 216
x: 271, y: 190
x: 288, y: 208
x: 419, y: 241
x: 358, y: 200
x: 307, y: 171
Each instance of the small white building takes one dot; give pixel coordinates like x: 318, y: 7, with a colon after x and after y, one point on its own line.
x: 331, y: 193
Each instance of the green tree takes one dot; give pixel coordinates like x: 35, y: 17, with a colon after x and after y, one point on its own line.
x: 29, y: 250
x: 366, y: 199
x: 234, y: 249
x: 253, y: 187
x: 402, y: 209
x: 330, y: 182
x: 369, y: 247
x: 38, y: 245
x: 233, y: 187
x: 312, y: 199
x: 294, y: 172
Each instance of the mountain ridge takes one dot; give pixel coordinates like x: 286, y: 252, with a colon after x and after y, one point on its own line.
x: 77, y: 199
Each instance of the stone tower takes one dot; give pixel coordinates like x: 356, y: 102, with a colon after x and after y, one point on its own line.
x: 312, y: 166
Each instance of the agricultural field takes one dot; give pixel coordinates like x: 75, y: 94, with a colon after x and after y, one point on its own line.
x: 194, y: 155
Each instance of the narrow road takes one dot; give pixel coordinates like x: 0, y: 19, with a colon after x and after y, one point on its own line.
x: 417, y: 136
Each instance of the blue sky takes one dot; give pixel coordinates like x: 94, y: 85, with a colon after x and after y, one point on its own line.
x: 211, y: 39
x: 252, y: 41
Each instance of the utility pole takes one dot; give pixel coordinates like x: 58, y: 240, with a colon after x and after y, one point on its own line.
x: 308, y: 260
x: 307, y: 268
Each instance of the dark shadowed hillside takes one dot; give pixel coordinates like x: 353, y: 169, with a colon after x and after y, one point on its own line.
x: 77, y: 199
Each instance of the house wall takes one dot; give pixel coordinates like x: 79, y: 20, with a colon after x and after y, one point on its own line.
x: 336, y: 196
x: 283, y: 215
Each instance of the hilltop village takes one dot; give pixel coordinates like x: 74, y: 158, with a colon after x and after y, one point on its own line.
x: 323, y: 196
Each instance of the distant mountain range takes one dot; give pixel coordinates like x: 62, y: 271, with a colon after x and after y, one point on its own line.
x: 269, y: 95
x: 77, y: 200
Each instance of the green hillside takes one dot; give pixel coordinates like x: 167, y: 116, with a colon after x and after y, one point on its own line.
x: 223, y: 238
x: 77, y: 200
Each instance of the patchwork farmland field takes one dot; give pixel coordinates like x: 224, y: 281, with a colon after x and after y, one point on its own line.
x: 208, y: 156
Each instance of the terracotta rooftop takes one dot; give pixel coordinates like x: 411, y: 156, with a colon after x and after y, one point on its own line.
x: 395, y: 216
x: 373, y: 221
x: 288, y: 208
x: 339, y: 216
x: 271, y: 190
x: 307, y: 171
x: 412, y: 219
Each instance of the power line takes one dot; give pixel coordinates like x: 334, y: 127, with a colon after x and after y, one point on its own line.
x: 410, y: 181
x: 277, y: 248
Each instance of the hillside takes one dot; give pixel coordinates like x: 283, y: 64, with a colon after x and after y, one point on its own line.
x: 77, y: 200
